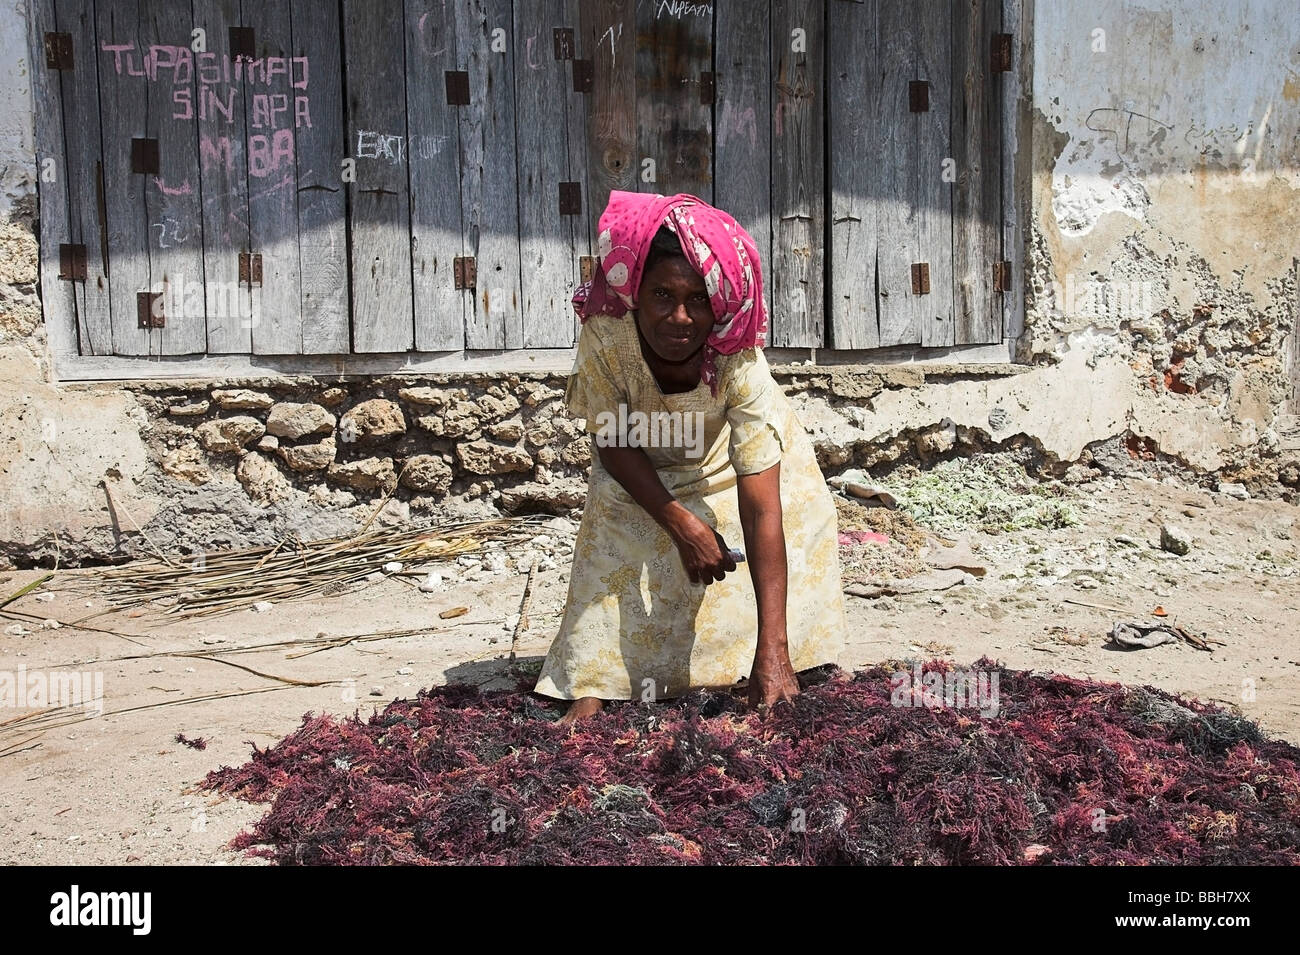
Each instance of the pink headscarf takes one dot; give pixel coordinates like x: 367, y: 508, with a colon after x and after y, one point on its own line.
x: 714, y: 243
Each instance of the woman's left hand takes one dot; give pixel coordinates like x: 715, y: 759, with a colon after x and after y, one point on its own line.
x: 772, y: 679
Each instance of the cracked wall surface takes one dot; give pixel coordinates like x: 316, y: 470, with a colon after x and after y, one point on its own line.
x: 1160, y: 191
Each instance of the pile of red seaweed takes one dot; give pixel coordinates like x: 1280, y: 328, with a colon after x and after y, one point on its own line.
x: 1069, y: 771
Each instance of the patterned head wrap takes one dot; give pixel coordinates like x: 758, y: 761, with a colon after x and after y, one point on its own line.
x: 715, y: 245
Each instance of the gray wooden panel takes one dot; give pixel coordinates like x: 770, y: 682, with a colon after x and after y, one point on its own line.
x: 223, y: 181
x: 382, y: 317
x: 1015, y: 97
x: 609, y: 32
x: 674, y: 46
x: 322, y: 202
x: 489, y: 193
x: 123, y: 93
x: 576, y: 146
x: 977, y: 193
x: 434, y: 170
x: 798, y: 173
x: 915, y: 213
x: 172, y: 197
x: 273, y: 180
x: 79, y: 171
x: 543, y: 89
x: 854, y: 176
x: 58, y: 298
x: 742, y: 158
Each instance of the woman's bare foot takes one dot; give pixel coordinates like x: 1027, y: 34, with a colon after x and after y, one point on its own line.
x: 580, y: 709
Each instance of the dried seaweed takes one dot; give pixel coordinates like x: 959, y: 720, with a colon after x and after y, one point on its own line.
x: 1096, y: 773
x: 196, y: 743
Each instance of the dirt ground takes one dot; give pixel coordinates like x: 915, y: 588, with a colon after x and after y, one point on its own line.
x: 117, y: 787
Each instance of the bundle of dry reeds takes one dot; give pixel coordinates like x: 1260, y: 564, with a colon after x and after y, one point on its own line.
x: 225, y: 581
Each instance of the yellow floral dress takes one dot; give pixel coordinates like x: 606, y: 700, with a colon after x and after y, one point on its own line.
x: 634, y: 626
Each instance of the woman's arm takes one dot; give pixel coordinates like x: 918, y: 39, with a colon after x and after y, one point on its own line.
x: 759, y: 497
x: 702, y: 549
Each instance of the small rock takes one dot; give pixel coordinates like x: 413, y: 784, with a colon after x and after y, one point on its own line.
x: 368, y: 474
x: 241, y: 399
x: 431, y: 584
x: 294, y: 420
x: 15, y: 630
x: 426, y: 473
x: 1175, y: 540
x: 210, y: 640
x: 262, y: 606
x: 261, y: 479
x: 1237, y: 491
x: 332, y: 396
x: 375, y: 420
x: 269, y: 442
x: 376, y: 691
x: 393, y: 567
x: 484, y: 457
x: 494, y: 561
x: 404, y: 671
x: 45, y: 597
x: 191, y: 410
x: 309, y: 457
x: 51, y: 624
x: 229, y: 435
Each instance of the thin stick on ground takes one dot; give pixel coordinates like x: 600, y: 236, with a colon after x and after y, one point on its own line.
x: 522, y: 623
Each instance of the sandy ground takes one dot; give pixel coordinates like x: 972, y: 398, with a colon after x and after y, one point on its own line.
x: 118, y: 788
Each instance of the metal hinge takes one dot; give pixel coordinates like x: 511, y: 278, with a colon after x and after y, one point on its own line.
x: 918, y: 96
x: 1000, y: 52
x: 1002, y: 276
x: 563, y: 42
x: 457, y: 87
x: 72, y: 262
x: 58, y: 51
x: 243, y: 42
x: 570, y: 198
x: 920, y: 278
x: 587, y: 267
x: 250, y: 269
x: 465, y: 271
x: 144, y: 156
x: 584, y: 76
x: 149, y: 310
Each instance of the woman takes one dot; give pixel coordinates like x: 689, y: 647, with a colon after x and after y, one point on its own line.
x: 695, y: 449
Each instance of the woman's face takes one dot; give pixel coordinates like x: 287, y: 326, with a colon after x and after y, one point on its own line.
x: 673, y: 310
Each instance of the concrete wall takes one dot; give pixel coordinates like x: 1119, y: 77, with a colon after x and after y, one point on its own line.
x: 1160, y: 162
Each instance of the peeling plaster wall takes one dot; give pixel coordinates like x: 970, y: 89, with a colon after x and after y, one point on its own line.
x: 1160, y: 190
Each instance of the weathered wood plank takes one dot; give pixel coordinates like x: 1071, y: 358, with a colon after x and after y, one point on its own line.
x: 853, y: 51
x: 383, y: 310
x: 543, y: 87
x: 223, y: 180
x: 123, y: 94
x: 977, y: 155
x: 172, y: 196
x: 1014, y: 103
x: 915, y: 216
x: 798, y: 173
x: 489, y: 189
x: 609, y: 33
x: 674, y: 43
x: 576, y: 146
x: 320, y: 146
x: 742, y: 158
x: 271, y: 104
x: 77, y: 164
x: 434, y: 172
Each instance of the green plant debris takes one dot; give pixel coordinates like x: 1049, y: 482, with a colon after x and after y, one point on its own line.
x: 988, y: 493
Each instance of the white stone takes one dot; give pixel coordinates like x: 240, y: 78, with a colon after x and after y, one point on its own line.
x: 262, y: 606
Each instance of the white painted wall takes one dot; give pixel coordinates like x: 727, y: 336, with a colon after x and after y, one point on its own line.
x: 17, y: 147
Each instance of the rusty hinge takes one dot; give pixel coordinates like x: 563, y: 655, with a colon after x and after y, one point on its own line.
x: 563, y: 42
x: 242, y: 43
x: 587, y: 267
x: 584, y: 76
x: 1000, y: 52
x: 144, y: 156
x: 918, y: 96
x: 1002, y: 276
x: 920, y: 278
x: 706, y: 88
x: 465, y: 270
x: 149, y: 310
x: 250, y: 269
x: 570, y: 198
x: 58, y: 51
x: 72, y: 262
x: 457, y: 87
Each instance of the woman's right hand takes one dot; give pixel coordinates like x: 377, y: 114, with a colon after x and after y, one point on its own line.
x: 703, y: 551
